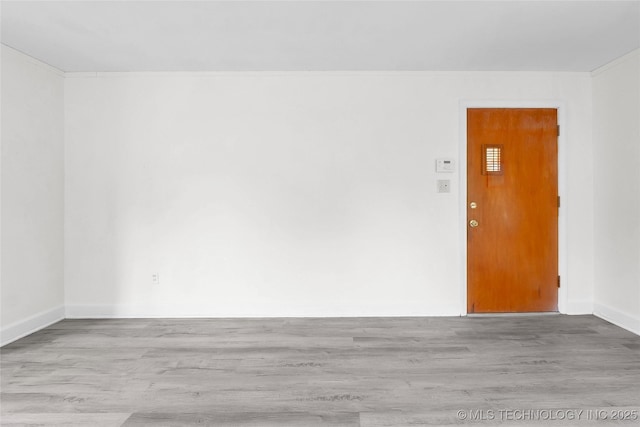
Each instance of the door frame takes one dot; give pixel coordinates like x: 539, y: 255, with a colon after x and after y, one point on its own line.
x: 562, y: 188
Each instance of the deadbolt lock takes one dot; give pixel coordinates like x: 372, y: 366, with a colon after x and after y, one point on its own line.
x: 473, y: 205
x: 473, y: 223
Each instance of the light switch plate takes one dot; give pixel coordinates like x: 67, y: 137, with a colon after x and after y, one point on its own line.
x: 444, y: 186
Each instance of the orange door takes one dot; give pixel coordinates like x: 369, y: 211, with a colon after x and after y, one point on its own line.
x: 512, y: 210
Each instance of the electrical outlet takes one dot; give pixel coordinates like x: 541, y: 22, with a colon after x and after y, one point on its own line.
x: 155, y: 278
x: 444, y: 186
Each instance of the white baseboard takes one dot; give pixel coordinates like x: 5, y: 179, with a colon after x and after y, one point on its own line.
x: 627, y: 321
x: 80, y: 311
x: 22, y: 328
x: 576, y: 307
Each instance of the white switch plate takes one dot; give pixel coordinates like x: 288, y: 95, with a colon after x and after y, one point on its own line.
x: 444, y: 186
x: 155, y: 278
x: 447, y: 165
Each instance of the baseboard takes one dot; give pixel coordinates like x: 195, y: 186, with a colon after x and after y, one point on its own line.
x: 627, y: 321
x: 80, y: 311
x: 577, y: 307
x: 22, y: 328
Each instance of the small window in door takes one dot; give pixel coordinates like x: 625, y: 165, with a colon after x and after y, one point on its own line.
x: 492, y: 159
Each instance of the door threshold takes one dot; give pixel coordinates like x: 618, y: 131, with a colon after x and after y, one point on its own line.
x: 536, y: 313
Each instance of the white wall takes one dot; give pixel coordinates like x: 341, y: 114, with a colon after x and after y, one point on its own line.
x: 285, y: 193
x: 616, y: 95
x: 276, y: 194
x: 32, y: 290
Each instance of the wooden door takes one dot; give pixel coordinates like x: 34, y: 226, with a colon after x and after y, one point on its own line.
x: 512, y: 210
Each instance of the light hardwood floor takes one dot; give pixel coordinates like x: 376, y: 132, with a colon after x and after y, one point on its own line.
x: 316, y: 372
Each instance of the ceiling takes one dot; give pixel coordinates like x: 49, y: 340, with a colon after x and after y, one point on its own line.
x: 236, y: 35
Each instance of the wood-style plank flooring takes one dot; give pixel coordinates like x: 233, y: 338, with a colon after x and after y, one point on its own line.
x: 322, y: 372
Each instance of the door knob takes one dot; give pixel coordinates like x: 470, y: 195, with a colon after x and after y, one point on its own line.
x: 473, y: 223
